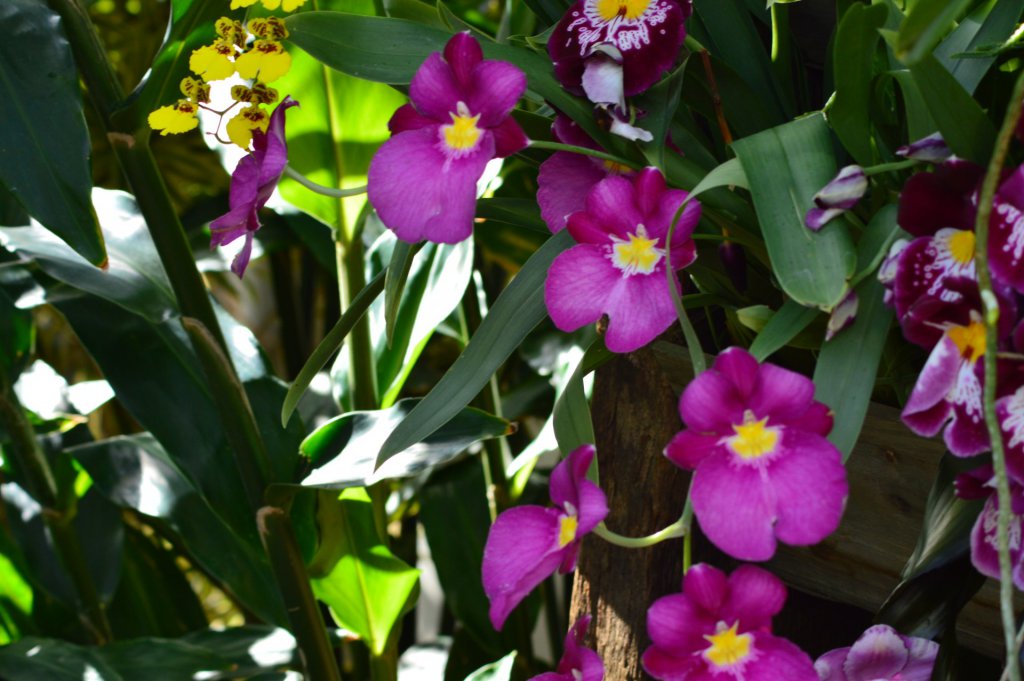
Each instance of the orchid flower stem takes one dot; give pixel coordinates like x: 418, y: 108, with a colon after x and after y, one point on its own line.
x: 321, y: 189
x: 991, y: 306
x: 351, y: 280
x: 692, y: 342
x: 674, y: 530
x: 1016, y: 647
x: 558, y: 146
x: 687, y: 523
x: 890, y: 167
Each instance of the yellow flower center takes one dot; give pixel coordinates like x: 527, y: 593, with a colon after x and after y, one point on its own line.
x: 639, y: 255
x: 970, y: 340
x: 727, y: 647
x: 630, y: 9
x: 567, y: 529
x: 961, y: 246
x: 462, y: 134
x: 617, y: 168
x: 753, y: 439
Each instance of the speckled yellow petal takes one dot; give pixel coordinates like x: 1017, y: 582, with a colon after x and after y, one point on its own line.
x: 174, y: 119
x: 195, y: 89
x: 267, y: 61
x: 213, y: 62
x: 239, y: 129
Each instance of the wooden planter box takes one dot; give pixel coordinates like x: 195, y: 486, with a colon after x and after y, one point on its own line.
x: 890, y: 473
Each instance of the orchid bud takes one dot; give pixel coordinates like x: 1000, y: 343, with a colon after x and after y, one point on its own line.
x: 837, y: 197
x: 932, y: 149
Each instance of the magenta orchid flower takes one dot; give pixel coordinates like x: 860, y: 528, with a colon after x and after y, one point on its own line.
x: 566, y: 178
x: 252, y: 182
x: 943, y: 198
x: 720, y: 629
x: 640, y: 37
x: 880, y: 654
x: 763, y: 470
x: 422, y: 181
x: 838, y: 196
x: 578, y: 663
x: 527, y: 544
x: 618, y: 267
x: 1006, y: 232
x: 984, y: 539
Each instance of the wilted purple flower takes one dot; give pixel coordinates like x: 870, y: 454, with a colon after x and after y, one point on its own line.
x: 880, y: 654
x: 566, y: 178
x: 932, y: 149
x: 422, y: 181
x: 755, y: 438
x: 578, y: 663
x: 618, y: 268
x: 252, y: 183
x: 720, y: 628
x: 526, y: 544
x: 842, y: 315
x: 645, y: 34
x: 837, y: 197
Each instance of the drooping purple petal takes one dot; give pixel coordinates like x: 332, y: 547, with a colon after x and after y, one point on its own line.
x: 602, y: 77
x: 1006, y: 235
x: 639, y: 310
x: 497, y: 86
x: 755, y: 597
x: 967, y: 434
x: 927, y: 408
x: 676, y: 622
x: 420, y: 193
x: 931, y: 149
x: 735, y: 508
x: 830, y: 665
x: 576, y: 286
x: 810, y: 488
x: 879, y: 653
x: 779, y: 659
x: 843, y: 191
x: 984, y: 542
x: 563, y: 183
x: 688, y: 448
x: 921, y: 660
x: 817, y: 218
x: 1010, y: 412
x: 842, y: 315
x: 406, y: 117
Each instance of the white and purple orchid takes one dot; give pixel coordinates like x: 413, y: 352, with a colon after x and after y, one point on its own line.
x: 880, y: 654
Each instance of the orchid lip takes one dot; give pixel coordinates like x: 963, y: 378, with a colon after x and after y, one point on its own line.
x: 754, y: 438
x: 462, y: 135
x: 637, y: 255
x: 727, y: 647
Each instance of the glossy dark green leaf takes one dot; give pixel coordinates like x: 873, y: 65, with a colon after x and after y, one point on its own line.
x: 44, y: 144
x: 783, y: 326
x: 34, y: 659
x: 137, y: 473
x: 249, y: 649
x: 925, y: 24
x: 963, y: 123
x: 344, y: 450
x: 991, y: 23
x: 369, y: 588
x: 394, y: 284
x: 17, y: 337
x: 571, y: 416
x: 191, y: 26
x: 854, y: 47
x: 390, y: 50
x: 515, y: 313
x: 786, y: 166
x: 156, y: 659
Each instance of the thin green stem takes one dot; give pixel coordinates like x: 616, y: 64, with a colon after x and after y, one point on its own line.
x: 687, y: 521
x: 673, y: 531
x: 558, y: 146
x: 890, y: 167
x: 991, y: 304
x: 362, y: 365
x: 692, y: 342
x: 321, y: 189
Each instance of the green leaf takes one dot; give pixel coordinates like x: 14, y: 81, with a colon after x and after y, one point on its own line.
x: 571, y: 416
x: 344, y: 450
x: 854, y: 50
x: 515, y: 313
x: 992, y: 23
x: 17, y: 338
x: 368, y: 588
x: 920, y: 122
x: 964, y: 125
x: 32, y: 659
x: 156, y: 659
x: 784, y: 325
x: 496, y: 671
x: 136, y: 472
x: 786, y: 166
x: 191, y: 26
x: 391, y: 50
x: 925, y: 24
x: 44, y: 144
x: 394, y: 285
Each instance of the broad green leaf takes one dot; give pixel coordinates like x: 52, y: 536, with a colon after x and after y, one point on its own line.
x: 368, y: 588
x: 136, y: 472
x: 190, y: 27
x: 394, y: 285
x: 156, y: 659
x: 515, y: 313
x: 340, y: 123
x: 785, y: 325
x: 344, y: 450
x: 785, y: 167
x: 496, y: 671
x: 44, y: 144
x: 251, y: 648
x: 571, y: 416
x: 16, y: 595
x: 925, y: 24
x: 991, y: 23
x: 855, y: 43
x: 33, y: 659
x: 964, y: 125
x: 390, y: 50
x: 920, y: 122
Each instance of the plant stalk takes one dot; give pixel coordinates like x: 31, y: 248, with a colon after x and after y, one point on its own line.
x: 991, y: 305
x: 362, y: 375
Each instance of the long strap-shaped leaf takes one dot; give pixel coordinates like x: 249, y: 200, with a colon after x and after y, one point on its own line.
x: 516, y: 312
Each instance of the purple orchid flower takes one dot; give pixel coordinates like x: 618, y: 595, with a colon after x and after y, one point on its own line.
x: 837, y: 197
x: 566, y: 178
x: 932, y: 149
x: 720, y: 628
x: 1006, y: 231
x: 578, y: 663
x: 527, y: 544
x: 618, y: 268
x: 252, y: 183
x: 422, y: 181
x: 943, y: 198
x: 764, y: 471
x: 880, y: 654
x: 984, y: 540
x: 633, y: 42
